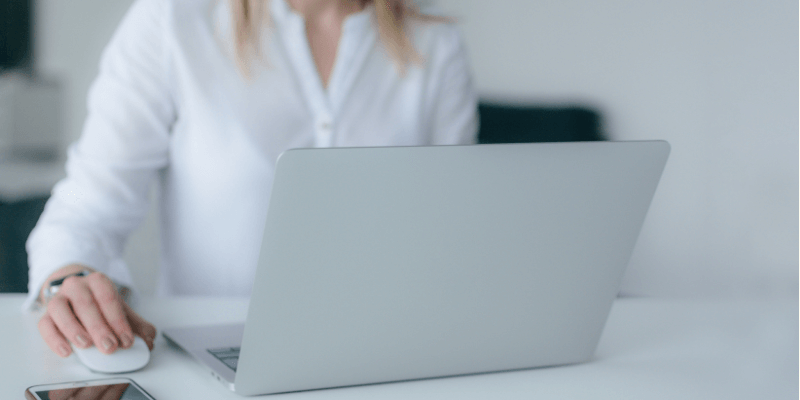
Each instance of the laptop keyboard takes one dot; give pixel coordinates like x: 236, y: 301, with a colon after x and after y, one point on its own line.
x: 228, y: 355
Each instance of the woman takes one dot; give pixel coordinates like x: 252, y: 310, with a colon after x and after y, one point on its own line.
x: 201, y: 97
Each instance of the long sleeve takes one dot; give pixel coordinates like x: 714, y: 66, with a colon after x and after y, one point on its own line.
x: 454, y: 118
x: 110, y: 169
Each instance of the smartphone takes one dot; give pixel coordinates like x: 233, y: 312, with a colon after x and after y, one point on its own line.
x: 101, y: 389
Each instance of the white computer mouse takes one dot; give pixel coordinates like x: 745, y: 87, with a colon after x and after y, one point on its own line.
x: 122, y: 360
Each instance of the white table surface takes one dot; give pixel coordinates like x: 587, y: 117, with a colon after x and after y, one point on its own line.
x: 650, y: 349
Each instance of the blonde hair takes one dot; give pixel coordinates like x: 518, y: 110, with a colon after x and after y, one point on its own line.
x: 249, y: 17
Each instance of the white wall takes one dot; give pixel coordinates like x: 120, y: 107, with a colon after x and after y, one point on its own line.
x: 718, y: 79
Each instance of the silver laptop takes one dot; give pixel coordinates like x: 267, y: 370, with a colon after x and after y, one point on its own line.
x: 390, y: 264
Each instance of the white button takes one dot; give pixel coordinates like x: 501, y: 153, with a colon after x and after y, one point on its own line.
x: 325, y: 126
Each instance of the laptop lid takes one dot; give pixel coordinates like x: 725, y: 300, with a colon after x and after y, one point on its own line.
x: 388, y: 264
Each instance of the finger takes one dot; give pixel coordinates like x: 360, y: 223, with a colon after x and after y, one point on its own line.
x: 59, y: 310
x: 86, y: 309
x: 89, y: 392
x: 53, y: 337
x: 141, y: 327
x: 114, y: 392
x: 61, y: 394
x: 110, y: 304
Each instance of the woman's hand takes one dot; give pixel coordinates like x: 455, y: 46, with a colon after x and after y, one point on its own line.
x: 88, y: 310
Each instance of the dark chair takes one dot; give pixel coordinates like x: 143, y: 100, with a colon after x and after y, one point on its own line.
x: 17, y: 219
x: 521, y: 123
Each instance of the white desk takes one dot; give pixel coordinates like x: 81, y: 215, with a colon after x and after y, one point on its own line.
x: 651, y: 349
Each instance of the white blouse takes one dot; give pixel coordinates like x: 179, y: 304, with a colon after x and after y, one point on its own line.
x: 170, y: 106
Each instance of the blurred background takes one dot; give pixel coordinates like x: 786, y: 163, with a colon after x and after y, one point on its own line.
x: 718, y: 79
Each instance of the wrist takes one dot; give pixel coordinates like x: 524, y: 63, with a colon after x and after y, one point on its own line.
x: 57, y: 277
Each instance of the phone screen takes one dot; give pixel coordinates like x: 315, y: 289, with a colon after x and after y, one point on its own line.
x: 118, y: 391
